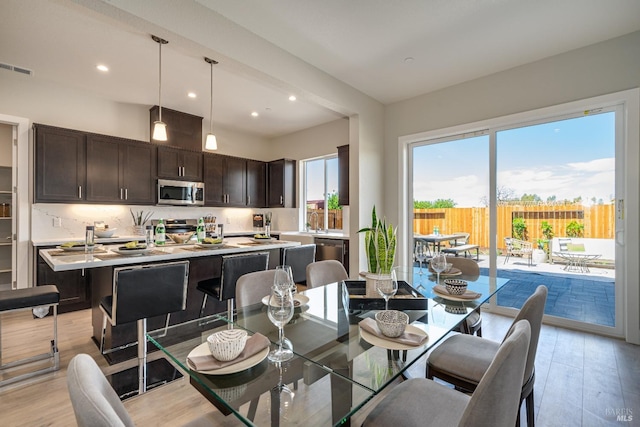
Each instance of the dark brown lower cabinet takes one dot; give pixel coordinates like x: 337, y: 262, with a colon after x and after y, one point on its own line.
x: 75, y: 292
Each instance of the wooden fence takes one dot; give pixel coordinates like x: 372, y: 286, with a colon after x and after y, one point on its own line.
x: 598, y: 220
x: 335, y: 218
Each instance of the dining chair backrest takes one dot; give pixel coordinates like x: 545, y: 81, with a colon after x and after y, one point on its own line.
x: 146, y: 291
x: 496, y: 400
x: 298, y: 257
x: 252, y: 287
x: 460, y: 240
x: 94, y: 401
x: 235, y: 266
x: 467, y: 266
x: 322, y: 273
x: 532, y: 310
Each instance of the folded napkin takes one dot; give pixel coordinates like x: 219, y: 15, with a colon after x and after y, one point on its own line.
x: 442, y: 290
x: 407, y: 338
x: 255, y: 344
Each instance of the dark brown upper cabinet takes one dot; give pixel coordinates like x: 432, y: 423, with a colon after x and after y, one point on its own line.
x: 60, y: 169
x: 281, y: 191
x: 256, y: 184
x: 343, y: 175
x: 183, y: 130
x: 179, y: 164
x: 225, y: 181
x: 120, y: 171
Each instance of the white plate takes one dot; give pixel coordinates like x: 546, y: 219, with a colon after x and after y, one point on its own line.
x: 210, y: 245
x: 203, y: 350
x: 132, y: 252
x: 392, y: 345
x: 78, y: 248
x: 271, y: 239
x: 455, y: 297
x: 297, y: 298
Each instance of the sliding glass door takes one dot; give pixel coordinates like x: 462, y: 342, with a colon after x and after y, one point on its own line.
x: 538, y: 198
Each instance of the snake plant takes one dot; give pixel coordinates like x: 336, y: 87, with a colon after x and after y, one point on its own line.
x: 379, y: 245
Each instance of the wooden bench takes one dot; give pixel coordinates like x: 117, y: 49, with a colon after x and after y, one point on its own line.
x: 463, y: 248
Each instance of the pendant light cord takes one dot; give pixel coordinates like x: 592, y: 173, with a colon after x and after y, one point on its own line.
x: 160, y: 81
x: 211, y: 106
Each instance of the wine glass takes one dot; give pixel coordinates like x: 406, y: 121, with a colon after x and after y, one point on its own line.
x: 280, y: 312
x: 283, y: 279
x: 387, y: 285
x: 420, y: 254
x: 284, y: 394
x: 439, y: 264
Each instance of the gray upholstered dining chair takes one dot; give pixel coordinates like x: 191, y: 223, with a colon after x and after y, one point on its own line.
x: 94, y: 401
x: 422, y: 402
x: 252, y: 287
x: 470, y: 269
x: 462, y: 360
x: 298, y: 257
x: 322, y: 273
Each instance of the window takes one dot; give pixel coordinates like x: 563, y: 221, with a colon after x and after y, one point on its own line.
x: 321, y: 194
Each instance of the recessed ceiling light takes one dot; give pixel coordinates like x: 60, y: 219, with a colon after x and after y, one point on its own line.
x: 254, y: 114
x: 192, y: 95
x: 408, y: 59
x: 102, y: 67
x: 292, y: 98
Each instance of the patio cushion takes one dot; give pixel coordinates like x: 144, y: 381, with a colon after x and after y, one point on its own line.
x: 575, y: 247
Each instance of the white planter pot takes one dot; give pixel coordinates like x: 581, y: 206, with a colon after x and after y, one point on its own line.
x: 538, y: 256
x: 371, y: 284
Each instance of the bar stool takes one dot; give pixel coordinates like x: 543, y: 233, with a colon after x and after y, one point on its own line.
x: 26, y: 299
x: 298, y: 257
x: 140, y: 292
x: 223, y: 288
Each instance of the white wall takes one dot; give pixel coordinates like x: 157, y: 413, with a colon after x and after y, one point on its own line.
x: 600, y: 69
x: 317, y: 141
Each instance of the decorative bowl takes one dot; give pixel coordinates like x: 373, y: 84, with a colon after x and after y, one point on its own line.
x: 105, y: 232
x: 228, y: 344
x: 180, y: 238
x: 455, y: 309
x: 391, y: 322
x: 455, y: 286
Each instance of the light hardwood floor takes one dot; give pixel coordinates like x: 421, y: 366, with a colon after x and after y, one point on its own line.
x: 580, y: 378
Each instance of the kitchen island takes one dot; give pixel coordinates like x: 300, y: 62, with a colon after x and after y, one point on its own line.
x: 204, y: 263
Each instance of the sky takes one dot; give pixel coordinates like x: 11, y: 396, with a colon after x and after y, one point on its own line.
x: 567, y: 159
x: 315, y: 177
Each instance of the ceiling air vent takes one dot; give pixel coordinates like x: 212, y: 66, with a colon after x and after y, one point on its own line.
x: 20, y: 70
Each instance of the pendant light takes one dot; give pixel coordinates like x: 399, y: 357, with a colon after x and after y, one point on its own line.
x: 159, y: 127
x: 211, y: 143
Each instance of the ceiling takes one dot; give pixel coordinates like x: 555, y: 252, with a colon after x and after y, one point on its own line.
x: 365, y: 43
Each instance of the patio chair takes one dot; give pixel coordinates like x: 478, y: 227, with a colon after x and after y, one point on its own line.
x: 460, y: 240
x: 517, y: 247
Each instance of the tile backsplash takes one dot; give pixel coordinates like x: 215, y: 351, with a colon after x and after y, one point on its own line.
x: 62, y: 221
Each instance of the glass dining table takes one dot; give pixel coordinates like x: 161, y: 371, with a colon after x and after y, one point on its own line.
x: 337, y: 367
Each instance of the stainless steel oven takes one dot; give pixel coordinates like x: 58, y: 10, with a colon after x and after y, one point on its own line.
x: 180, y: 193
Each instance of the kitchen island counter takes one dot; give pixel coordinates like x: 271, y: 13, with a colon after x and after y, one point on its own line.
x: 105, y: 256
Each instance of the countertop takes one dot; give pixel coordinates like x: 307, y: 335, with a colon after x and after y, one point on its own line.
x: 124, y: 238
x: 338, y: 235
x: 105, y: 255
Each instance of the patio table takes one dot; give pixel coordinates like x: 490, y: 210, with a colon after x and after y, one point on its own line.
x: 577, y: 261
x: 436, y: 239
x: 334, y: 371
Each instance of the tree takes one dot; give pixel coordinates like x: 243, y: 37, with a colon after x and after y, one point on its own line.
x: 503, y: 194
x: 551, y: 199
x: 530, y: 198
x: 333, y: 201
x: 437, y: 204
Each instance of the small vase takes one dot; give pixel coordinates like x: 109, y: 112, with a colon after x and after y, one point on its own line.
x: 138, y: 230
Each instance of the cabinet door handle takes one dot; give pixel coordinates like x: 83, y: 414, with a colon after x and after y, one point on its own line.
x: 126, y: 194
x: 79, y: 191
x: 281, y: 201
x: 248, y: 200
x: 121, y: 194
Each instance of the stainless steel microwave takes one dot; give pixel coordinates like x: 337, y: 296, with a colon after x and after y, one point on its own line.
x: 180, y: 193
